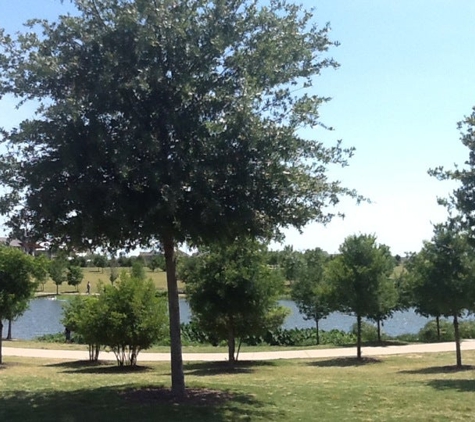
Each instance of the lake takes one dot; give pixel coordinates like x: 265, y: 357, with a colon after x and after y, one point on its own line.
x: 44, y: 315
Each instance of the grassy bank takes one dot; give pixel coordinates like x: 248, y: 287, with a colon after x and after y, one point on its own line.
x: 409, y: 388
x: 95, y: 276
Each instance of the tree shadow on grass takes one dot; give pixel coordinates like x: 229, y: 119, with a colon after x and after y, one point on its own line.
x: 463, y: 386
x: 88, y: 367
x: 439, y: 370
x: 219, y: 368
x: 147, y: 403
x: 345, y: 362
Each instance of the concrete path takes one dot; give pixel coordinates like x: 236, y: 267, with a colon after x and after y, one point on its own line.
x: 248, y: 356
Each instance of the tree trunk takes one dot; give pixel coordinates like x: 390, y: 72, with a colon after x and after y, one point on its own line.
x: 1, y: 335
x: 178, y: 376
x: 458, y: 352
x: 358, y: 337
x: 316, y: 326
x: 231, y: 346
x: 437, y: 321
x: 9, y: 332
x: 379, y: 330
x: 57, y: 289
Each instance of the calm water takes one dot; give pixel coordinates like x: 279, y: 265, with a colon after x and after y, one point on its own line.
x: 44, y: 317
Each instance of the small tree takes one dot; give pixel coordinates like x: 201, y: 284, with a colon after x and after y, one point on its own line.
x: 41, y: 270
x: 157, y: 261
x: 84, y: 316
x: 356, y: 276
x: 74, y: 276
x: 443, y: 275
x: 57, y: 272
x: 128, y: 318
x: 138, y: 270
x: 310, y: 291
x: 387, y: 303
x: 100, y: 261
x: 114, y: 272
x: 16, y: 286
x: 233, y: 294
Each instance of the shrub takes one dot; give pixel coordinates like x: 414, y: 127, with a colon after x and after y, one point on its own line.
x: 428, y: 333
x: 369, y: 332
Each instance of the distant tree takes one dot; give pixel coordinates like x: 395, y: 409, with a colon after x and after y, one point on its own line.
x: 114, y: 272
x: 356, y: 276
x: 170, y: 122
x: 157, y: 261
x: 16, y: 285
x: 100, y: 261
x: 57, y: 271
x: 387, y: 303
x: 41, y: 270
x: 444, y: 277
x: 233, y: 294
x: 310, y: 291
x: 138, y: 270
x: 291, y: 263
x: 74, y: 276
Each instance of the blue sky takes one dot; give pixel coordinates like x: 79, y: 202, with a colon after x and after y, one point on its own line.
x: 406, y: 78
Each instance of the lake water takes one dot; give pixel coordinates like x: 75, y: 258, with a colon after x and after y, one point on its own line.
x: 44, y: 315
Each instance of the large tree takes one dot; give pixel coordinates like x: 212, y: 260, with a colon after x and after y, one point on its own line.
x: 16, y: 285
x: 165, y: 121
x: 357, y: 276
x: 233, y: 293
x: 443, y: 274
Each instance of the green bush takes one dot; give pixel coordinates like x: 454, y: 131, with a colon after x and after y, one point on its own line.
x: 467, y: 329
x: 428, y: 333
x: 369, y: 332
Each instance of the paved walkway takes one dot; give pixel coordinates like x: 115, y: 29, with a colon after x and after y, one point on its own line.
x: 253, y: 356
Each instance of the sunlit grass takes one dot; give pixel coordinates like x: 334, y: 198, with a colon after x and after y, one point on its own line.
x: 399, y: 388
x: 96, y: 276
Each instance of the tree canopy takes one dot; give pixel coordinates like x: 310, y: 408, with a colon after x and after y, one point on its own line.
x: 16, y: 285
x: 310, y: 291
x: 357, y: 275
x: 166, y: 122
x: 443, y: 280
x: 233, y: 293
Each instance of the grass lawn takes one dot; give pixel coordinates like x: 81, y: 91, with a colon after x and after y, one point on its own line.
x: 94, y: 275
x: 405, y: 388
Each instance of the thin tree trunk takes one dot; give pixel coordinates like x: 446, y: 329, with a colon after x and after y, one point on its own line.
x: 458, y: 352
x: 57, y: 289
x: 1, y: 335
x: 358, y: 337
x: 437, y: 321
x: 379, y: 330
x: 178, y: 376
x: 231, y: 346
x: 9, y: 331
x: 317, y: 320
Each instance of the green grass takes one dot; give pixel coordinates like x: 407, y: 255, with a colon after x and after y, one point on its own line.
x: 408, y: 388
x: 31, y: 344
x: 95, y: 275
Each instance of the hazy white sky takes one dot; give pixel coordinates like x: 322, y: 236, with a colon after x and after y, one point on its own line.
x: 406, y: 78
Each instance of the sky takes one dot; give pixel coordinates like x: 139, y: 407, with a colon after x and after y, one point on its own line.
x: 406, y: 77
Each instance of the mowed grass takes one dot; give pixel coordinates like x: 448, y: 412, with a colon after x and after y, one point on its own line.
x: 96, y: 275
x: 422, y: 387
